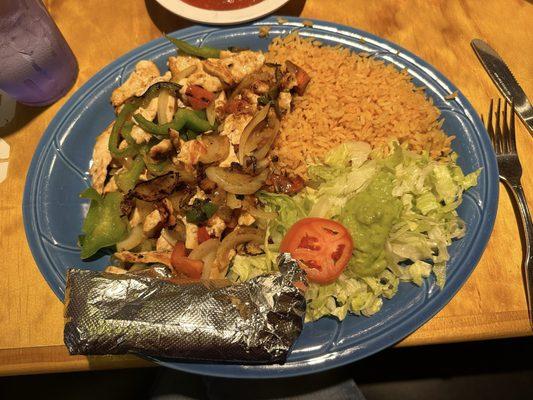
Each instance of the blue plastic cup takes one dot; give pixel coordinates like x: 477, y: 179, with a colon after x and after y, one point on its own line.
x: 37, y: 66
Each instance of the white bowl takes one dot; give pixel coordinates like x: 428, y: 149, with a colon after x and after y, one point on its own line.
x: 216, y: 17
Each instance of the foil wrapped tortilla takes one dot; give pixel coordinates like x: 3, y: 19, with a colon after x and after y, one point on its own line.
x: 255, y: 321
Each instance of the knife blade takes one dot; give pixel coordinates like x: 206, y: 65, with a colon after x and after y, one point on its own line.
x: 505, y: 81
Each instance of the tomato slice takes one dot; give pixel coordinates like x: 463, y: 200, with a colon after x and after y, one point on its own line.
x: 198, y: 97
x: 322, y: 246
x: 203, y: 234
x: 181, y: 263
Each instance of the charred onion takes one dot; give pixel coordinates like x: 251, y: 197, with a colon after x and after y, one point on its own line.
x: 236, y: 182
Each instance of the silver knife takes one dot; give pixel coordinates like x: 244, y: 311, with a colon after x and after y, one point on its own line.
x: 504, y: 80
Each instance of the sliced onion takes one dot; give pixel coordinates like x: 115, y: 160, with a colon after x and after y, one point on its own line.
x: 208, y: 265
x: 236, y: 182
x: 184, y: 73
x: 180, y: 200
x: 204, y: 249
x: 206, y: 252
x: 216, y: 148
x: 170, y: 236
x: 134, y: 239
x: 256, y: 120
x: 268, y: 135
x: 262, y: 164
x: 186, y: 174
x: 210, y: 112
x: 230, y: 242
x: 166, y: 107
x: 138, y: 267
x: 233, y: 202
x: 261, y: 214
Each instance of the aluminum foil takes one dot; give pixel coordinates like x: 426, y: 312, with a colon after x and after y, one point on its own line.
x: 256, y: 321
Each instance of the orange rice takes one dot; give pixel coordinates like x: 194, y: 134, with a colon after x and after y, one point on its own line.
x: 351, y: 97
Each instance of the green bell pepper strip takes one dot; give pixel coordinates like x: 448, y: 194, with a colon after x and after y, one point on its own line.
x: 183, y: 117
x: 126, y: 134
x: 200, y: 114
x: 188, y: 135
x: 152, y: 127
x: 200, y: 211
x: 103, y: 225
x: 91, y: 218
x: 126, y: 113
x: 157, y: 169
x: 202, y: 52
x: 196, y: 123
x: 127, y: 180
x: 117, y: 132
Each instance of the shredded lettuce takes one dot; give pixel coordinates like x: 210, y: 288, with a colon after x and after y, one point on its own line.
x: 289, y: 210
x: 427, y: 191
x: 248, y: 267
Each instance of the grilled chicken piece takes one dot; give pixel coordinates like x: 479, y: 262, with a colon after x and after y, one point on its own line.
x: 200, y: 77
x: 284, y: 101
x: 145, y: 74
x: 215, y: 226
x: 146, y: 257
x: 199, y: 195
x: 166, y: 210
x: 243, y: 63
x: 234, y: 125
x: 231, y: 158
x: 191, y: 151
x: 136, y: 217
x: 260, y: 87
x: 162, y: 244
x: 175, y: 139
x: 161, y: 149
x: 216, y: 148
x: 288, y: 81
x: 111, y: 186
x: 150, y: 111
x: 140, y: 211
x: 152, y: 223
x: 178, y: 64
x: 233, y: 68
x: 115, y: 270
x: 191, y: 234
x: 246, y: 219
x: 220, y: 106
x: 218, y: 68
x: 140, y: 135
x: 101, y: 160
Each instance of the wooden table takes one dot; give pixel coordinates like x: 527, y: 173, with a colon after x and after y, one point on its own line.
x: 492, y: 302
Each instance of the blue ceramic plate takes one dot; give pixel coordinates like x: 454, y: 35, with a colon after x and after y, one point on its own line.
x: 53, y: 213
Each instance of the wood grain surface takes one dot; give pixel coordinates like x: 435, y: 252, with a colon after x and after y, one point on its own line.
x: 492, y: 302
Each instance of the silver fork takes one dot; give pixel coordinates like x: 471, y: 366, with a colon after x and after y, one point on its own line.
x: 504, y: 143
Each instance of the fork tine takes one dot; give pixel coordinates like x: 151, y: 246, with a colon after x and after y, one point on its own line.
x: 498, y: 132
x: 490, y: 128
x: 512, y: 129
x: 506, y: 137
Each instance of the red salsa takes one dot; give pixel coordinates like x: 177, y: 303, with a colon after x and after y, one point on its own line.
x: 221, y: 4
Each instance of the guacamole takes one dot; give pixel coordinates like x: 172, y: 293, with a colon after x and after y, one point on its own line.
x: 369, y: 216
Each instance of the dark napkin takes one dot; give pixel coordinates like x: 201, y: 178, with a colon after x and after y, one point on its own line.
x: 255, y: 321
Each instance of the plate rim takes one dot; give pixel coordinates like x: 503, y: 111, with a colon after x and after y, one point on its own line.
x: 222, y: 17
x: 402, y: 329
